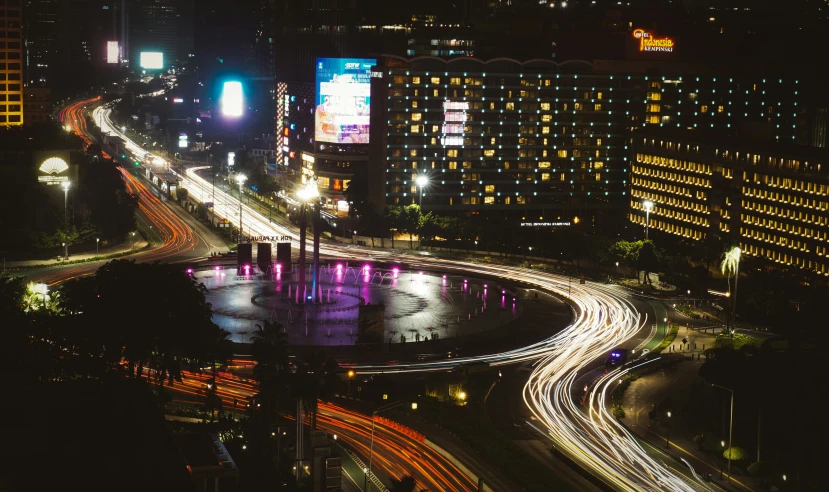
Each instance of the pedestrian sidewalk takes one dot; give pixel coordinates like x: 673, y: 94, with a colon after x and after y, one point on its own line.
x: 102, y: 254
x: 675, y: 434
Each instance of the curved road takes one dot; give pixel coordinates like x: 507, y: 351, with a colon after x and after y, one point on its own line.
x: 603, y: 319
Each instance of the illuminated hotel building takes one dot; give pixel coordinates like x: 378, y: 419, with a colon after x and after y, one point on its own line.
x: 542, y: 138
x: 773, y: 199
x: 11, y: 63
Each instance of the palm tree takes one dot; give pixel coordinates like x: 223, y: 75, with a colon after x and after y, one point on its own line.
x: 316, y: 378
x: 731, y: 266
x: 270, y: 351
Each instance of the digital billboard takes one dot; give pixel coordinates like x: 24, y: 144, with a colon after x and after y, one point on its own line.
x: 151, y: 60
x: 343, y: 100
x: 232, y: 99
x: 112, y: 51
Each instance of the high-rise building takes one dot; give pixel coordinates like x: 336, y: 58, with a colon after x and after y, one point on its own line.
x: 11, y: 63
x: 772, y: 199
x: 543, y: 139
x: 161, y: 26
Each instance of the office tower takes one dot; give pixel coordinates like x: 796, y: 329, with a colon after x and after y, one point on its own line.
x: 11, y: 63
x: 160, y: 26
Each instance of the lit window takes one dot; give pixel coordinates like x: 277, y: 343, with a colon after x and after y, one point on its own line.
x: 435, y: 80
x: 489, y: 200
x: 489, y: 188
x: 489, y: 152
x: 562, y: 153
x: 545, y: 129
x: 452, y: 153
x: 544, y: 165
x: 415, y: 80
x: 510, y: 106
x: 455, y: 81
x: 416, y: 116
x: 435, y: 93
x: 703, y: 109
x: 453, y: 164
x: 545, y: 176
x: 492, y: 141
x: 545, y: 106
x: 577, y: 106
x: 719, y: 109
x: 413, y: 152
x: 546, y: 118
x: 415, y: 129
x: 597, y: 107
x: 599, y: 96
x: 414, y: 104
x: 598, y: 141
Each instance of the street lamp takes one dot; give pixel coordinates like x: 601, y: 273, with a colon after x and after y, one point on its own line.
x: 65, y: 250
x: 722, y: 445
x: 65, y: 185
x: 97, y: 242
x: 240, y: 178
x: 730, y: 428
x: 133, y: 239
x: 648, y: 205
x: 306, y: 194
x: 668, y: 437
x: 351, y: 374
x: 371, y: 446
x: 476, y: 245
x: 422, y: 181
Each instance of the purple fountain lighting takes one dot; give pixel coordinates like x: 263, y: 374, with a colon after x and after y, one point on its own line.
x: 395, y: 272
x: 190, y: 271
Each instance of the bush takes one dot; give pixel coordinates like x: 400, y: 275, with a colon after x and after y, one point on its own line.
x: 760, y: 469
x: 699, y: 439
x: 734, y: 454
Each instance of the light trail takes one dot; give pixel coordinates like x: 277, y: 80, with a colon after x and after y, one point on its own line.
x: 603, y: 319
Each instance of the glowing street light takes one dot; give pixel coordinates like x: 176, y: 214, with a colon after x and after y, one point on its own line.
x: 422, y: 182
x: 65, y: 185
x: 648, y: 205
x: 240, y: 178
x: 97, y: 243
x: 132, y: 234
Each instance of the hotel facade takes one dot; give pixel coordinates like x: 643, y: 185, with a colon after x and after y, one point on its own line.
x: 772, y: 200
x: 540, y: 138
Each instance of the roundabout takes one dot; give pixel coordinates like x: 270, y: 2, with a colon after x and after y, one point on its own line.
x: 415, y: 306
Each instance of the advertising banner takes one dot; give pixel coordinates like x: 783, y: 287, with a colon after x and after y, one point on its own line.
x: 343, y: 100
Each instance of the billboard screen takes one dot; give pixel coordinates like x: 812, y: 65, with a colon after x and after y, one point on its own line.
x: 343, y: 100
x: 232, y: 99
x: 152, y: 60
x: 112, y: 51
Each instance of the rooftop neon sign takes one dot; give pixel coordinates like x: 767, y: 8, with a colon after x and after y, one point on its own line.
x: 647, y: 41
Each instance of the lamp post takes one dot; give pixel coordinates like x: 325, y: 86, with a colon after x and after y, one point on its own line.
x: 350, y: 374
x: 306, y: 194
x: 730, y: 427
x: 132, y: 234
x: 240, y: 178
x: 668, y: 436
x: 371, y: 446
x: 422, y: 181
x: 617, y: 269
x: 65, y: 185
x: 65, y: 250
x: 648, y: 205
x: 722, y: 445
x: 476, y: 245
x: 97, y: 242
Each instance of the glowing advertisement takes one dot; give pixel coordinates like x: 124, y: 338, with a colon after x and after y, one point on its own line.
x: 454, y: 116
x: 112, y: 51
x: 151, y: 60
x: 648, y: 42
x: 343, y: 100
x: 232, y: 99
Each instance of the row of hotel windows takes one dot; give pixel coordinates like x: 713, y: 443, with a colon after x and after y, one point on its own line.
x: 680, y: 178
x: 774, y: 239
x: 785, y: 258
x: 678, y: 229
x: 666, y: 188
x: 788, y: 183
x: 670, y: 201
x: 492, y: 166
x: 479, y: 81
x: 780, y: 211
x: 770, y: 161
x: 674, y: 163
x: 785, y: 198
x: 507, y: 105
x: 785, y: 227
